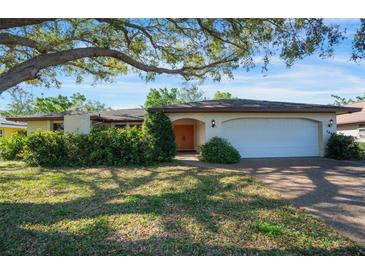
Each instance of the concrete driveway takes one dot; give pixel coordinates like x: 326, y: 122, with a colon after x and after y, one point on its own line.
x: 332, y: 190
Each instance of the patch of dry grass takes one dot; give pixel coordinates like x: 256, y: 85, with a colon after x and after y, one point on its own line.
x: 162, y: 210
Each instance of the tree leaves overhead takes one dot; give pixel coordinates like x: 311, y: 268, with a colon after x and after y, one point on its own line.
x: 38, y: 51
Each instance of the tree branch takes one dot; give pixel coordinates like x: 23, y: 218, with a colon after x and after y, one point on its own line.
x: 14, y: 40
x: 29, y: 70
x: 6, y: 23
x: 217, y: 35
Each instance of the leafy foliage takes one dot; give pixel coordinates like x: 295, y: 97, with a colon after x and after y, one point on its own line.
x: 340, y: 101
x: 192, y: 48
x: 190, y: 94
x: 163, y: 96
x: 222, y: 95
x: 342, y: 147
x: 63, y: 103
x: 46, y: 148
x: 160, y: 137
x: 112, y: 147
x: 219, y: 150
x: 12, y: 147
x: 358, y: 44
x: 23, y: 103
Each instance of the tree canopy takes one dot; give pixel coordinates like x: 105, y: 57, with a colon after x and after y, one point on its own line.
x: 222, y: 95
x: 24, y: 103
x: 340, y: 101
x: 38, y: 51
x: 163, y: 96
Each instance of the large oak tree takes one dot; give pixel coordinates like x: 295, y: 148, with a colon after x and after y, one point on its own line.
x: 38, y: 51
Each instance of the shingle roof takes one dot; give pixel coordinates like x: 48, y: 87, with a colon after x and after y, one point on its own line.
x: 356, y: 117
x: 245, y: 105
x: 43, y: 116
x: 120, y: 115
x: 10, y: 124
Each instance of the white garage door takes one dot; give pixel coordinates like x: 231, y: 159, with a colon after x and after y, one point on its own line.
x: 273, y: 137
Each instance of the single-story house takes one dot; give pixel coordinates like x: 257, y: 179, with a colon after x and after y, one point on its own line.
x: 81, y: 122
x: 8, y: 128
x: 353, y: 124
x: 255, y: 128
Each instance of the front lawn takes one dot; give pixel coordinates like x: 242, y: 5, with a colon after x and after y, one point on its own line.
x: 165, y: 210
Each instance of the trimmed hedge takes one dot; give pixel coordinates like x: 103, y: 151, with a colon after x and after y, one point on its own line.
x: 219, y: 150
x: 342, y: 147
x: 112, y: 147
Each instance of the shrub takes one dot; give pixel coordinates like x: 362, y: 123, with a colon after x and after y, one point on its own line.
x: 219, y: 150
x: 11, y: 148
x: 46, y: 148
x: 116, y: 147
x: 160, y: 138
x: 101, y: 147
x: 342, y: 147
x: 155, y: 142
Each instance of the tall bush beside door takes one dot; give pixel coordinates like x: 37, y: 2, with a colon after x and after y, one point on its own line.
x: 159, y: 136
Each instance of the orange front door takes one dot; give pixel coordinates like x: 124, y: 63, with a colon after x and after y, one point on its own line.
x: 184, y: 135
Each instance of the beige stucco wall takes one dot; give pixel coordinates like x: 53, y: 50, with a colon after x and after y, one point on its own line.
x: 38, y: 125
x: 350, y: 130
x: 79, y: 124
x: 200, y: 134
x: 7, y: 132
x: 206, y: 118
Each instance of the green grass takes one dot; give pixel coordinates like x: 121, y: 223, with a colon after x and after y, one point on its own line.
x: 162, y: 210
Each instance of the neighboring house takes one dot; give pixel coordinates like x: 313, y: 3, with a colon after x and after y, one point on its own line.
x: 255, y: 128
x: 353, y: 124
x: 8, y: 128
x: 81, y: 122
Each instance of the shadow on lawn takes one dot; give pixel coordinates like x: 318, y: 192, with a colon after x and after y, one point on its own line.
x: 100, y: 237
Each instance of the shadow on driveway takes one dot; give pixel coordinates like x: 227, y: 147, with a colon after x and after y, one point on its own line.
x: 332, y: 190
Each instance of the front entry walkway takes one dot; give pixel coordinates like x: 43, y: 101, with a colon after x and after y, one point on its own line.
x: 331, y: 190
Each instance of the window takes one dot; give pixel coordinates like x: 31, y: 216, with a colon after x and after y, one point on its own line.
x: 120, y: 126
x: 1, y: 133
x: 58, y: 126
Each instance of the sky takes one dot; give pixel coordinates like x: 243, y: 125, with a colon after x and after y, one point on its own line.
x: 311, y: 80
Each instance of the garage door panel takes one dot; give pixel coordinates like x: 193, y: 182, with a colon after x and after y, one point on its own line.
x: 273, y: 137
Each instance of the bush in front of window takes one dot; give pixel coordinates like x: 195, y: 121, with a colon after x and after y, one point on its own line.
x: 109, y: 147
x: 12, y: 147
x: 342, y: 147
x: 219, y: 150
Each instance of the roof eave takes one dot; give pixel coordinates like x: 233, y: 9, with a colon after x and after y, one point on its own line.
x: 27, y: 119
x: 337, y: 110
x: 111, y: 120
